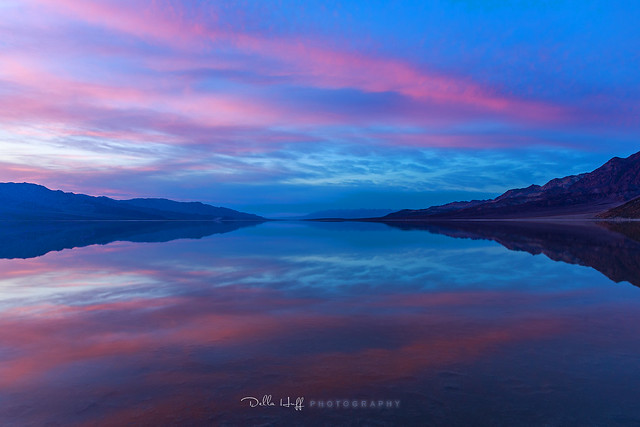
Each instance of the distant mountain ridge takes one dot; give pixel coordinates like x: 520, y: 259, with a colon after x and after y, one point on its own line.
x: 347, y: 213
x: 585, y: 195
x: 25, y: 201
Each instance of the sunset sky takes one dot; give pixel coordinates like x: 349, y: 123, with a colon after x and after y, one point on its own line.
x: 286, y: 107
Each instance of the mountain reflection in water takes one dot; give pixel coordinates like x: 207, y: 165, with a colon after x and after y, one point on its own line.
x: 612, y: 248
x: 28, y: 239
x: 462, y: 332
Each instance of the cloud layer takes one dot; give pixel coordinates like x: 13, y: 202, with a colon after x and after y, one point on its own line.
x: 171, y: 98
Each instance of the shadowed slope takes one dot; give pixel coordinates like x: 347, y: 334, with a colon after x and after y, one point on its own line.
x: 629, y: 210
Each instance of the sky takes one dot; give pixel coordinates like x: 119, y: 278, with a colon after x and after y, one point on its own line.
x: 285, y: 107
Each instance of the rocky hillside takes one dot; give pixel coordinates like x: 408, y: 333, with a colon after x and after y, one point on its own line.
x: 629, y: 210
x: 587, y: 195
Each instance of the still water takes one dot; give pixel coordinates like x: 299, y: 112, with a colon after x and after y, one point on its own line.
x: 370, y: 324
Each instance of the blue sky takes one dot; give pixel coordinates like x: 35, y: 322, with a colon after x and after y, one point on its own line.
x: 285, y: 107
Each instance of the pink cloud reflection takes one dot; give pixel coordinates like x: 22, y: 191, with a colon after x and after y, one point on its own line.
x: 160, y: 345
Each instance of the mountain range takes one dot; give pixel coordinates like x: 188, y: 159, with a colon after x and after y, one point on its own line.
x: 610, y: 191
x: 347, y: 213
x: 24, y: 201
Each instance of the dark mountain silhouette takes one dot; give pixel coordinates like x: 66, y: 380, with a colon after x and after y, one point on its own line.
x: 29, y: 239
x: 347, y: 213
x: 612, y: 248
x: 35, y: 202
x: 628, y: 210
x: 584, y: 195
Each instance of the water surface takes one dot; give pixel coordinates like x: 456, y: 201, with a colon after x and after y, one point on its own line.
x: 461, y: 325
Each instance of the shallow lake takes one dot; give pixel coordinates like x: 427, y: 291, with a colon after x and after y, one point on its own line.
x: 369, y: 324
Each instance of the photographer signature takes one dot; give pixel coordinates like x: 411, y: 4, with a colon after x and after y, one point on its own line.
x: 267, y: 400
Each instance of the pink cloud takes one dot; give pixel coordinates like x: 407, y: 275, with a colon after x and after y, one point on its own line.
x: 303, y: 61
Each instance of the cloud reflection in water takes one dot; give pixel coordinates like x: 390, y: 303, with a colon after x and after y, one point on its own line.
x: 155, y: 333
